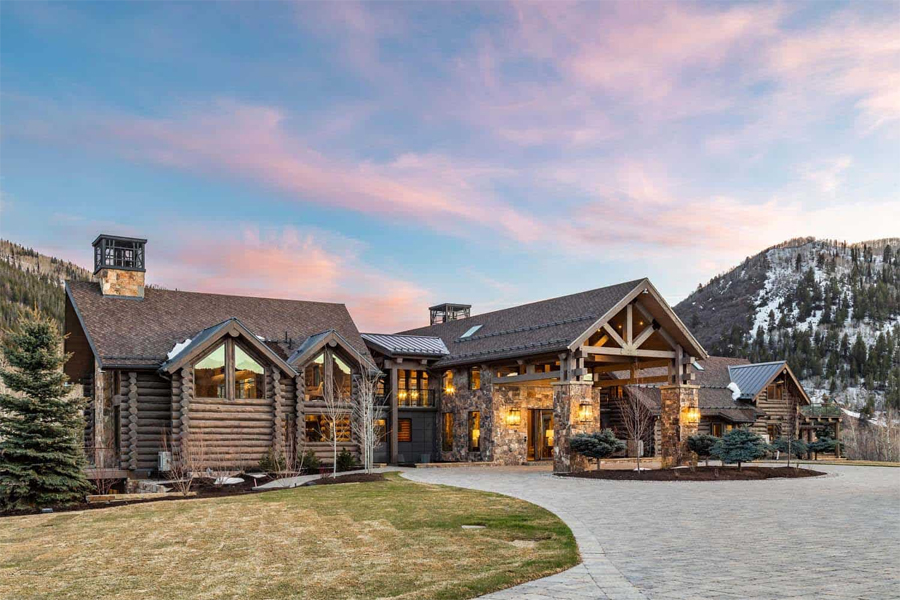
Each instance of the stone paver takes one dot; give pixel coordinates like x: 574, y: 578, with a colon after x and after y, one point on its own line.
x: 827, y: 537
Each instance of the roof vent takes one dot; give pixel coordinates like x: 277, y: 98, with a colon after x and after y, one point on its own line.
x: 441, y: 313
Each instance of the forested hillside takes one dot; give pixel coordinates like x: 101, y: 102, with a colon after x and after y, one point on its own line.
x: 31, y: 280
x: 830, y: 308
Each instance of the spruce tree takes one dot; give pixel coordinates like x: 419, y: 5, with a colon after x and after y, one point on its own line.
x: 739, y: 446
x: 41, y: 454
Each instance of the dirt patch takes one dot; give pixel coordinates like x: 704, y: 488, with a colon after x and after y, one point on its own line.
x: 350, y: 478
x: 701, y: 474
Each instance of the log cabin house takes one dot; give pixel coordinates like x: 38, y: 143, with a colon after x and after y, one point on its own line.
x: 246, y: 374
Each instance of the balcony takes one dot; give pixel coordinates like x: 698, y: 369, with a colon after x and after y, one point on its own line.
x: 419, y: 398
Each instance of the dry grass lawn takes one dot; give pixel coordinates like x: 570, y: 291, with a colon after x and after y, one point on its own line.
x: 393, y: 539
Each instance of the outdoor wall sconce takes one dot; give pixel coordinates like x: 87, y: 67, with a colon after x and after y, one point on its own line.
x: 585, y: 412
x: 514, y: 417
x: 401, y: 395
x: 691, y: 415
x: 450, y: 390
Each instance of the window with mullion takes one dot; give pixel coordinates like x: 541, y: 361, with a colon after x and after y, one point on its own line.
x: 229, y: 372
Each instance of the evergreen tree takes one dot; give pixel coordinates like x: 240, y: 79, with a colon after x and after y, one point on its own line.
x: 702, y: 444
x: 596, y: 445
x: 41, y: 455
x: 739, y: 446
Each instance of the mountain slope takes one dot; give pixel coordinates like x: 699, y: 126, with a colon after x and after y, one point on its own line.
x: 29, y: 279
x: 830, y: 308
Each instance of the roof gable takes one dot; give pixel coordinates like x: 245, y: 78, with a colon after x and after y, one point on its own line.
x: 753, y: 378
x: 140, y: 333
x: 314, y: 343
x: 211, y: 336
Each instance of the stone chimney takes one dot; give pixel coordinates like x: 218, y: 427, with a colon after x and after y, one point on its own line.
x: 119, y: 265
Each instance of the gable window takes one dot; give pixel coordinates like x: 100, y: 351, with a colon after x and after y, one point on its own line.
x: 249, y: 376
x: 474, y: 431
x: 447, y: 433
x: 327, y: 367
x: 315, y: 378
x: 229, y: 372
x: 475, y: 378
x: 209, y: 375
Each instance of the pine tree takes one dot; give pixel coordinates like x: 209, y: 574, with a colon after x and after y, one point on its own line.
x: 41, y: 456
x: 739, y: 446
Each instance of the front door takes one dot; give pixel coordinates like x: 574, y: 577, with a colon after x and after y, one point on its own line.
x: 541, y: 442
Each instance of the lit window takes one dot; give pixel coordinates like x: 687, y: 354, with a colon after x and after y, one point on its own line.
x: 211, y: 378
x: 315, y: 378
x: 404, y: 430
x: 449, y: 388
x: 474, y: 431
x: 318, y: 428
x: 475, y: 378
x: 470, y: 332
x: 447, y: 437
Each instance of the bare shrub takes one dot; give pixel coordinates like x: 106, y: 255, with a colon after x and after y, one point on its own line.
x: 188, y: 460
x: 366, y: 410
x: 638, y: 422
x: 878, y: 440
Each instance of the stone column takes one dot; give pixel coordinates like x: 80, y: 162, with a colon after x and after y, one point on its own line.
x: 567, y: 399
x: 675, y: 428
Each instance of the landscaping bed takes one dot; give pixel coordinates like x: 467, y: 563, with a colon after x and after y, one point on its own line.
x: 701, y: 474
x: 396, y: 538
x: 349, y: 478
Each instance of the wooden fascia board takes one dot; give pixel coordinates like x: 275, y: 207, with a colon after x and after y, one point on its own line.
x: 701, y: 352
x: 333, y: 339
x: 526, y: 377
x: 625, y: 301
x: 87, y: 334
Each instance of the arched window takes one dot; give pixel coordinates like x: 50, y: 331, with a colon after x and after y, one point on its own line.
x: 229, y: 372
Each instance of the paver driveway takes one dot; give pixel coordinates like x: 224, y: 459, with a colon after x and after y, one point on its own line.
x: 825, y: 537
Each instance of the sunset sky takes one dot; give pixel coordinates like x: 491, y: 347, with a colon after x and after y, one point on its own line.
x: 396, y: 155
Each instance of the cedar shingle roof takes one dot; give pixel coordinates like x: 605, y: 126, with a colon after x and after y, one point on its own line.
x: 528, y: 329
x: 139, y: 333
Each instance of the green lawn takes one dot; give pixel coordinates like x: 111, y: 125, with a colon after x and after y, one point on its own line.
x: 388, y: 539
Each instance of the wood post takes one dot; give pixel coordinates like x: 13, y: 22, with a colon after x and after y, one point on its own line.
x: 395, y: 418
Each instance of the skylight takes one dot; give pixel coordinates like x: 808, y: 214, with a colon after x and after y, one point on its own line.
x: 470, y: 332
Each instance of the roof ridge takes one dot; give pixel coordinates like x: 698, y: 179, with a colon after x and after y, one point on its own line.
x: 533, y: 302
x: 219, y: 294
x: 762, y: 364
x: 405, y: 335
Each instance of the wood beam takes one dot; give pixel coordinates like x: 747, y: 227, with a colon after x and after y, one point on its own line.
x: 629, y: 324
x: 604, y: 383
x: 624, y: 352
x: 615, y: 336
x: 527, y: 377
x: 642, y: 337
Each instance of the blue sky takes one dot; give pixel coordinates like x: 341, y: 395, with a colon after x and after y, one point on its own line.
x: 396, y: 155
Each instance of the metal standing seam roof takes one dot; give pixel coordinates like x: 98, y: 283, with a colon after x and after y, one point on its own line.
x: 751, y: 379
x: 419, y: 345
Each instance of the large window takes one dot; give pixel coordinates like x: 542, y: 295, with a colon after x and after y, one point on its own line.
x: 249, y: 376
x: 229, y: 372
x: 716, y: 429
x: 412, y: 388
x: 209, y: 375
x: 474, y: 431
x: 318, y: 428
x: 316, y: 376
x: 447, y: 433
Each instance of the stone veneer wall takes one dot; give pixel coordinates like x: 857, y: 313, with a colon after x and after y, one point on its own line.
x: 567, y: 398
x: 460, y: 404
x: 510, y: 442
x: 674, y: 431
x: 117, y: 282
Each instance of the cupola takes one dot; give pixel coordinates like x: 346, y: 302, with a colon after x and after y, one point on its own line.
x: 119, y: 265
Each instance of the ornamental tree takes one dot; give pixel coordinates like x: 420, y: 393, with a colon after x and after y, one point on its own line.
x: 739, y: 446
x: 702, y: 444
x: 598, y: 445
x: 41, y: 453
